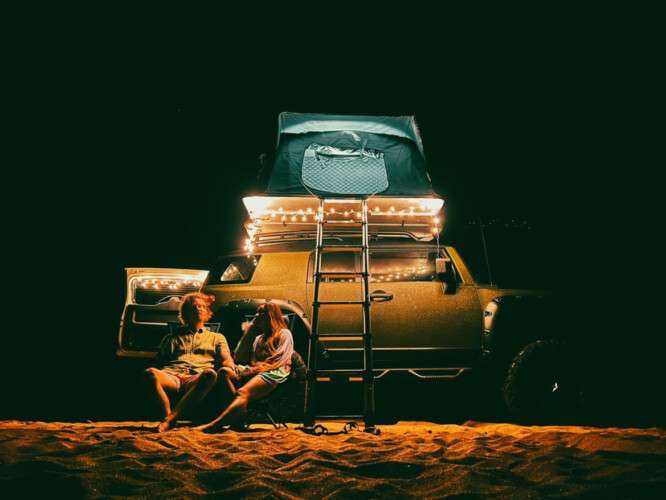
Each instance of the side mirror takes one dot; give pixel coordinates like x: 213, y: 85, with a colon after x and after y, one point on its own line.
x: 446, y: 273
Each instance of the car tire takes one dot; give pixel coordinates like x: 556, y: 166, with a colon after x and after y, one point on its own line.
x: 542, y: 383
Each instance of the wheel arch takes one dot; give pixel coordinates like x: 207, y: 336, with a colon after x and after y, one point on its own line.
x: 510, y: 322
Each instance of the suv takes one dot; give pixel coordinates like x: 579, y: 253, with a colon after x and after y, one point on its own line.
x: 430, y: 319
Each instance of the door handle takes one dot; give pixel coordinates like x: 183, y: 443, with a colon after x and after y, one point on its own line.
x: 380, y: 296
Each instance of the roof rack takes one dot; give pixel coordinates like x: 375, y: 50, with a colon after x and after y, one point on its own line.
x: 278, y: 219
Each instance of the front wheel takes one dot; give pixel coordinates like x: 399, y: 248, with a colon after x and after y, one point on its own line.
x: 542, y: 382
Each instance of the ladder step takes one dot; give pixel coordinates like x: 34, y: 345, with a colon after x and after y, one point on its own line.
x: 325, y: 335
x: 340, y: 302
x: 341, y: 371
x: 343, y: 245
x: 344, y: 222
x: 341, y: 273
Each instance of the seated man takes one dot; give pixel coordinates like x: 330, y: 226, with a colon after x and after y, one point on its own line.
x: 187, y: 360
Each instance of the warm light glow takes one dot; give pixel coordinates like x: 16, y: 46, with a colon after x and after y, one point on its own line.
x: 256, y: 205
x: 433, y: 205
x: 273, y: 214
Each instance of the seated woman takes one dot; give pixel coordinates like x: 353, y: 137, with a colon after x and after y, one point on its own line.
x: 270, y: 363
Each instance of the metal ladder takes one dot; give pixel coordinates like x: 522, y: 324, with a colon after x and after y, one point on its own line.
x: 366, y: 372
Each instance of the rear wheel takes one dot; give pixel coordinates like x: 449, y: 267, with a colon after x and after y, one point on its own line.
x: 542, y: 382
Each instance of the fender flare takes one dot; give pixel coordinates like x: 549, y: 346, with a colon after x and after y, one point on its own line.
x: 289, y: 305
x: 285, y: 305
x: 512, y: 321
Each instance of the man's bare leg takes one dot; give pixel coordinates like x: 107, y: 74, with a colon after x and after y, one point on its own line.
x: 225, y: 379
x: 256, y: 388
x: 196, y: 393
x: 159, y: 382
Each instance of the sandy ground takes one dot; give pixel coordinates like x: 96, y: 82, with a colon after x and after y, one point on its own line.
x: 409, y: 459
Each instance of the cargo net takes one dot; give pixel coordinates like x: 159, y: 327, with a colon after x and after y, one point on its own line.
x: 344, y: 171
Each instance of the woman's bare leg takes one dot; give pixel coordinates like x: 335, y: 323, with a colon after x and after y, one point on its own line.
x: 256, y: 388
x: 196, y: 393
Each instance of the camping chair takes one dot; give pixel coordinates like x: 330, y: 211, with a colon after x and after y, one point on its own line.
x: 285, y: 402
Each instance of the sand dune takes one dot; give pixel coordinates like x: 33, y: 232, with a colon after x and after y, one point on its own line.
x: 409, y: 459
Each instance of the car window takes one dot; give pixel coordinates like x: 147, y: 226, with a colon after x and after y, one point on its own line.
x: 399, y: 265
x: 230, y: 270
x: 342, y: 262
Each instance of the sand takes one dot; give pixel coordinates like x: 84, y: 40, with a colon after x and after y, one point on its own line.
x: 408, y: 459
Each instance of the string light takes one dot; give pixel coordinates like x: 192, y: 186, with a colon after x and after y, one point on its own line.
x: 419, y: 212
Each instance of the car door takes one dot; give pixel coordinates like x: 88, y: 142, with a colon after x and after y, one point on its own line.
x: 152, y: 302
x: 414, y: 321
x: 411, y: 309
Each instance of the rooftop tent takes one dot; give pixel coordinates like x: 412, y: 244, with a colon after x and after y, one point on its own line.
x: 338, y: 155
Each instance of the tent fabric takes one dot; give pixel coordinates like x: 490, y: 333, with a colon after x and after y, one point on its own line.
x: 344, y: 171
x: 303, y: 123
x: 395, y: 140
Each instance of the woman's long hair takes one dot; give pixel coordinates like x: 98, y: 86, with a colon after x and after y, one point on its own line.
x: 271, y: 323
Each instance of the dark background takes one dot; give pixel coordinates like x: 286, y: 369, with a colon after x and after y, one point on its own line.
x: 140, y: 156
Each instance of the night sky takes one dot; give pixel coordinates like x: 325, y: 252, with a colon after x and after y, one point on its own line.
x: 143, y: 162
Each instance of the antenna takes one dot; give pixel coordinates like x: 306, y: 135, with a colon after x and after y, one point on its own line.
x: 485, y: 248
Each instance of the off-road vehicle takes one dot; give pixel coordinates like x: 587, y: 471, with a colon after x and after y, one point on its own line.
x: 345, y: 239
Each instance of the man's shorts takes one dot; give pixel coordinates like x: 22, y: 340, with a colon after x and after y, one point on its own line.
x: 273, y: 377
x: 183, y: 380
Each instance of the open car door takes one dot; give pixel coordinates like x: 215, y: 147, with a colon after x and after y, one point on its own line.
x: 152, y: 302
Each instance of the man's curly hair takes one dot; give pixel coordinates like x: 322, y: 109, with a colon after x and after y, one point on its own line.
x: 187, y: 307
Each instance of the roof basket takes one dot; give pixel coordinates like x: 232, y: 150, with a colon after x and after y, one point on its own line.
x: 284, y: 218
